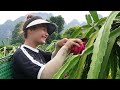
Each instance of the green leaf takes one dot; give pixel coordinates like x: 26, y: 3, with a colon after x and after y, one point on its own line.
x: 118, y: 74
x: 91, y: 30
x: 76, y: 33
x: 100, y: 47
x: 89, y: 19
x: 50, y: 46
x: 118, y: 55
x: 113, y: 66
x: 73, y: 74
x: 107, y: 73
x: 88, y: 50
x: 94, y: 16
x: 5, y: 51
x: 86, y: 67
x: 82, y: 60
x: 85, y: 26
x: 1, y: 55
x: 101, y: 21
x: 113, y: 35
x: 81, y: 66
x: 92, y: 38
x: 85, y: 53
x: 66, y: 67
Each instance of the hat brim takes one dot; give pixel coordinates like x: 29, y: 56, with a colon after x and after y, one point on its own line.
x: 51, y: 27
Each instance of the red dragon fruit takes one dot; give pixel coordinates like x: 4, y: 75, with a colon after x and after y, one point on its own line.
x: 77, y: 50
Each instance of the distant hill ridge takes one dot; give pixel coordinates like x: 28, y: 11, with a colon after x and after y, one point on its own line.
x: 7, y: 28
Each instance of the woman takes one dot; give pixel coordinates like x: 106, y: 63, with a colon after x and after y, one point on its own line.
x: 31, y: 63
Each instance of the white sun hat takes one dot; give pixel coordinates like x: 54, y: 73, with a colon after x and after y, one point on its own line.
x: 51, y: 27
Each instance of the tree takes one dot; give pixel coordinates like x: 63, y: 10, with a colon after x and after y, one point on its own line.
x: 59, y: 21
x: 17, y: 36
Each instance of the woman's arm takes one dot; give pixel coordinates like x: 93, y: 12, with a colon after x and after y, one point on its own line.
x: 58, y: 45
x: 53, y: 65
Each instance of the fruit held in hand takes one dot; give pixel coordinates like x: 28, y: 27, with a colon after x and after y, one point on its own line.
x: 77, y: 50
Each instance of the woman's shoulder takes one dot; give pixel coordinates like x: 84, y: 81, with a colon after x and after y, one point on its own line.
x: 19, y: 56
x: 17, y: 52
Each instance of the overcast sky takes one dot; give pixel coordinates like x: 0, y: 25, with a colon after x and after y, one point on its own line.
x: 67, y: 15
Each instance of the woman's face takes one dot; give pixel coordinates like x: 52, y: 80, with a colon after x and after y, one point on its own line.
x: 40, y: 34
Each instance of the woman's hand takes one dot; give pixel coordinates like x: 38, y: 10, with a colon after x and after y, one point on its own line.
x: 61, y: 42
x: 68, y: 42
x: 72, y: 42
x: 58, y: 45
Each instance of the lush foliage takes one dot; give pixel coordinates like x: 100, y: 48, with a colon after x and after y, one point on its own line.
x: 100, y: 59
x: 17, y: 35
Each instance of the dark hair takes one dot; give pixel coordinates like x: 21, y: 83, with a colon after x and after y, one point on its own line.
x: 29, y: 19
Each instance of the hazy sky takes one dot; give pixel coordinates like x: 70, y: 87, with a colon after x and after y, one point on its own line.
x: 68, y: 15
